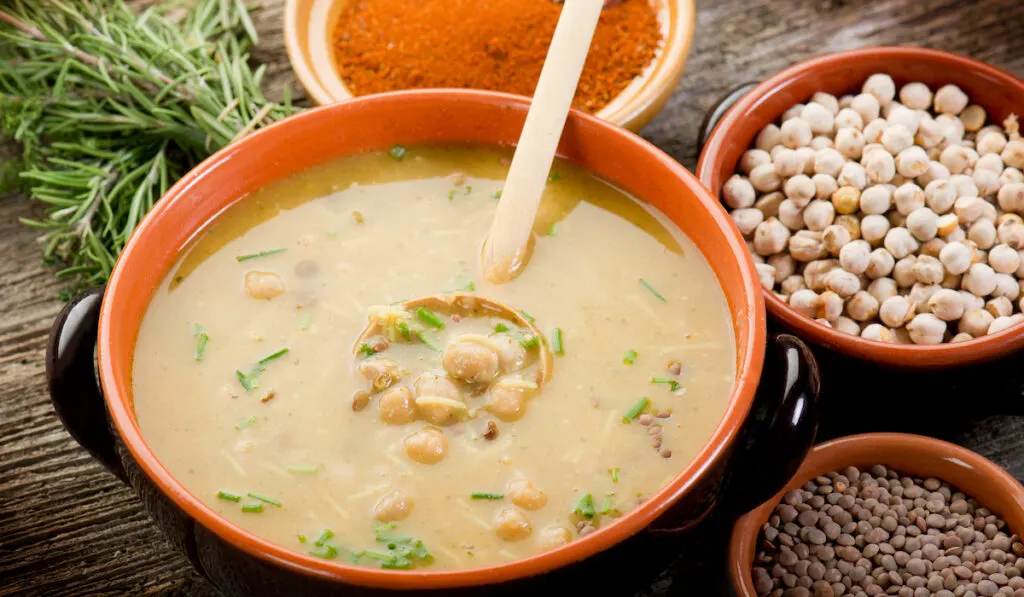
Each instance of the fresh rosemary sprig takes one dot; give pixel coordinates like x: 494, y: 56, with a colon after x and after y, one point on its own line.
x: 112, y: 105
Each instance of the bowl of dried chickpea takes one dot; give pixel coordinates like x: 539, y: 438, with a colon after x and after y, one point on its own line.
x: 881, y: 195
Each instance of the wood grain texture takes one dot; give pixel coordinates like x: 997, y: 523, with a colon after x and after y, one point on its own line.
x: 67, y: 527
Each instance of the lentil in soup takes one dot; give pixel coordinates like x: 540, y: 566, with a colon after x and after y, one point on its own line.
x: 437, y: 438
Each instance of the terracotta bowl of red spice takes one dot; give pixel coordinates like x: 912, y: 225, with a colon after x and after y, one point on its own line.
x: 999, y: 92
x: 912, y: 455
x: 340, y: 49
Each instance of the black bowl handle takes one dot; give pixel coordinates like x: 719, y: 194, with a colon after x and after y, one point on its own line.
x: 718, y: 109
x: 779, y: 431
x: 71, y: 372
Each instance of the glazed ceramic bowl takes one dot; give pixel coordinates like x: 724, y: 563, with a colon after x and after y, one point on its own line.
x: 770, y: 417
x: 999, y: 92
x: 308, y: 26
x: 913, y: 455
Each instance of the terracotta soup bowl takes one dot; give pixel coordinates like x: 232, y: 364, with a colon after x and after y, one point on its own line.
x: 755, y: 106
x: 775, y: 423
x: 912, y: 455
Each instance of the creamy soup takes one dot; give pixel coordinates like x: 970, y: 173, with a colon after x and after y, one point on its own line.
x: 435, y: 437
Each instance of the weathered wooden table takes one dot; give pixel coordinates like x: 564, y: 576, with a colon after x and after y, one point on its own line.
x: 67, y: 527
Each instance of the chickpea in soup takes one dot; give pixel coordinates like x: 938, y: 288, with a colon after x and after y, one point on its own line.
x: 287, y: 376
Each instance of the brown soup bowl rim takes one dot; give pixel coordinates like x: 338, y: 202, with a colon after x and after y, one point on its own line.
x: 905, y: 453
x: 766, y: 101
x: 407, y: 116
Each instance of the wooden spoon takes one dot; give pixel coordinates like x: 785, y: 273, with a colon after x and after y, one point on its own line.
x: 509, y: 244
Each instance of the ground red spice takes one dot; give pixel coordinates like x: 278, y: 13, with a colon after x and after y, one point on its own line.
x: 500, y: 45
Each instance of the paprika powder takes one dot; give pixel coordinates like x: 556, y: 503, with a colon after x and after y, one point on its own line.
x: 498, y: 45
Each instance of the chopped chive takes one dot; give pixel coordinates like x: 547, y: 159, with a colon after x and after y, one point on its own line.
x: 306, y: 320
x: 451, y: 195
x: 556, y: 341
x: 242, y: 258
x: 403, y: 329
x: 304, y: 469
x: 528, y: 340
x: 302, y: 538
x: 635, y: 410
x: 496, y: 195
x: 428, y: 340
x: 264, y: 499
x: 500, y: 328
x: 526, y: 316
x: 327, y: 552
x: 653, y: 291
x: 629, y: 357
x: 324, y: 537
x: 430, y: 318
x: 554, y: 175
x: 552, y: 231
x: 482, y: 495
x: 377, y: 555
x: 672, y: 384
x: 248, y: 381
x: 201, y: 341
x: 466, y: 283
x: 398, y: 152
x: 615, y: 475
x: 606, y: 507
x: 227, y: 495
x: 585, y: 507
x: 366, y: 350
x: 247, y: 422
x: 271, y: 357
x: 252, y: 508
x: 398, y: 563
x: 469, y: 189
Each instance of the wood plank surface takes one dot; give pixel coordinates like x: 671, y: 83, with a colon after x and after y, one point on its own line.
x: 67, y: 527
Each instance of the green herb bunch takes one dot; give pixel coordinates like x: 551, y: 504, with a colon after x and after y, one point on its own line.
x: 111, y: 105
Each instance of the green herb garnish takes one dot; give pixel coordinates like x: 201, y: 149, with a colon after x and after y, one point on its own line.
x: 469, y: 189
x: 635, y: 410
x: 304, y: 469
x: 428, y: 340
x: 306, y: 320
x: 403, y: 329
x: 242, y: 258
x: 398, y: 152
x: 606, y: 507
x: 615, y: 475
x: 526, y: 316
x: 366, y: 350
x: 275, y: 355
x: 227, y: 495
x: 466, y: 282
x: 482, y: 495
x: 430, y: 318
x: 629, y: 357
x: 653, y: 291
x: 264, y: 499
x: 327, y: 552
x: 302, y: 538
x: 248, y: 381
x: 556, y: 341
x: 252, y: 508
x: 496, y: 195
x: 585, y: 507
x: 401, y: 550
x: 324, y: 537
x: 529, y: 341
x: 245, y: 423
x: 672, y: 384
x: 451, y: 195
x: 552, y: 231
x: 500, y: 328
x: 201, y: 339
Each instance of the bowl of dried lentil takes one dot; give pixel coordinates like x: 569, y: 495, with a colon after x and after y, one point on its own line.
x: 345, y: 48
x: 905, y: 514
x: 898, y: 315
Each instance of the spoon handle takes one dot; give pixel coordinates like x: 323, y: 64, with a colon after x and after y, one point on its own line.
x: 508, y: 244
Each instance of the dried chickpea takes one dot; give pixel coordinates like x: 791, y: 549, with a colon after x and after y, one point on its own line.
x: 926, y: 328
x: 897, y: 138
x: 791, y: 215
x: 829, y: 306
x: 987, y: 181
x: 765, y: 179
x: 999, y: 307
x: 785, y: 266
x: 946, y: 224
x: 792, y: 284
x: 880, y: 264
x: 878, y: 333
x: 932, y: 247
x: 862, y: 307
x: 990, y: 161
x: 880, y: 166
x: 1013, y: 154
x: 768, y: 204
x: 787, y: 162
x: 846, y: 200
x: 923, y: 223
x: 955, y: 158
x: 752, y: 158
x: 883, y: 289
x: 903, y: 116
x: 912, y: 162
x: 827, y: 100
x: 867, y: 106
x: 957, y: 235
x: 828, y: 161
x: 946, y: 304
x: 818, y: 117
x: 950, y: 99
x: 971, y: 301
x: 903, y: 271
x: 1001, y: 323
x: 853, y: 175
x: 835, y: 237
x: 804, y: 301
x: 1008, y: 286
x: 916, y: 96
x: 961, y: 337
x: 896, y: 311
x: 821, y: 143
x: 908, y: 197
x: 930, y: 133
x: 982, y: 233
x: 1011, y: 232
x: 1011, y: 197
x: 747, y: 220
x: 873, y: 228
x: 796, y: 132
x: 819, y: 214
x: 846, y: 325
x: 770, y: 237
x: 896, y: 219
x: 935, y: 171
x: 815, y: 272
x: 849, y: 142
x: 849, y: 118
x: 1011, y: 176
x: 769, y: 137
x: 900, y: 242
x: 991, y: 143
x: 806, y: 245
x: 876, y: 200
x: 968, y: 209
x: 766, y: 275
x: 842, y: 282
x: 800, y: 188
x: 980, y: 279
x: 928, y: 270
x: 882, y: 87
x: 965, y: 186
x: 851, y: 223
x: 824, y: 185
